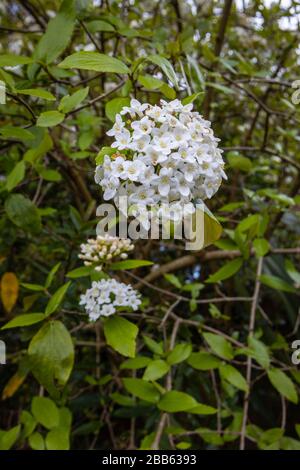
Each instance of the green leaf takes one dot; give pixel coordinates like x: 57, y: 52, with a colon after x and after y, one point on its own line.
x: 259, y: 352
x: 130, y: 264
x: 57, y: 299
x: 50, y: 119
x: 173, y: 402
x: 34, y: 287
x: 99, y: 25
x: 45, y: 412
x: 156, y: 369
x: 201, y: 409
x: 233, y: 376
x: 94, y: 61
x: 154, y: 346
x: 191, y: 98
x: 16, y: 133
x: 23, y: 213
x: 38, y: 92
x: 11, y: 60
x: 114, y: 107
x: 292, y: 271
x: 283, y: 384
x: 16, y: 176
x: 36, y: 441
x: 80, y: 272
x: 8, y: 438
x: 49, y: 174
x: 58, y: 33
x: 121, y: 335
x: 149, y: 82
x: 51, y: 355
x: 173, y: 280
x: 165, y: 66
x: 24, y: 320
x: 276, y: 283
x: 138, y: 362
x: 180, y: 353
x: 70, y: 102
x: 203, y: 361
x: 228, y: 270
x: 142, y: 389
x: 58, y: 439
x: 219, y: 345
x: 239, y: 162
x: 261, y: 246
x: 51, y: 275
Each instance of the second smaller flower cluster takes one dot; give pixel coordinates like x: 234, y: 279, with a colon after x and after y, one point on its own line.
x: 98, y: 251
x: 106, y: 296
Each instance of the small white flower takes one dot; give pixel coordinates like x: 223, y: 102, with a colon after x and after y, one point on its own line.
x: 135, y: 108
x: 142, y: 127
x: 117, y: 127
x: 165, y: 175
x: 123, y: 139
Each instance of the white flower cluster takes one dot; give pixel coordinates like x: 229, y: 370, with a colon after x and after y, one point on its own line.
x: 100, y: 250
x: 165, y: 155
x: 106, y: 296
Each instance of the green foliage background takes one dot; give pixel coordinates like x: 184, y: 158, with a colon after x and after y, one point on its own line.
x: 210, y: 365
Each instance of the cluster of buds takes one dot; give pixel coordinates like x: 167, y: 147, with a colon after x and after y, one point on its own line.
x: 103, y: 249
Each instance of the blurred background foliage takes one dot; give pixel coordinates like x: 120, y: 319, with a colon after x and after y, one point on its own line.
x: 213, y: 357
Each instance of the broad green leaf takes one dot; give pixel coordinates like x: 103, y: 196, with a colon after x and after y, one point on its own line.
x: 49, y: 174
x: 156, y: 369
x: 239, y: 162
x: 36, y: 441
x: 37, y: 92
x: 276, y: 283
x: 80, y: 272
x: 99, y: 25
x: 130, y: 264
x: 121, y: 335
x: 203, y: 361
x: 23, y: 213
x: 283, y: 384
x: 70, y: 102
x: 142, y: 389
x: 153, y: 345
x: 8, y: 438
x: 174, y: 402
x: 51, y: 355
x: 261, y: 246
x: 58, y: 33
x: 201, y: 409
x: 17, y: 133
x: 180, y: 353
x: 34, y: 154
x: 94, y: 61
x: 15, y: 176
x: 24, y: 320
x: 219, y: 345
x: 173, y: 280
x: 149, y: 82
x: 228, y: 270
x: 57, y: 299
x: 114, y: 107
x: 45, y: 412
x: 138, y: 362
x: 165, y: 66
x: 50, y: 119
x: 58, y: 439
x: 233, y: 376
x: 11, y: 60
x: 259, y: 351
